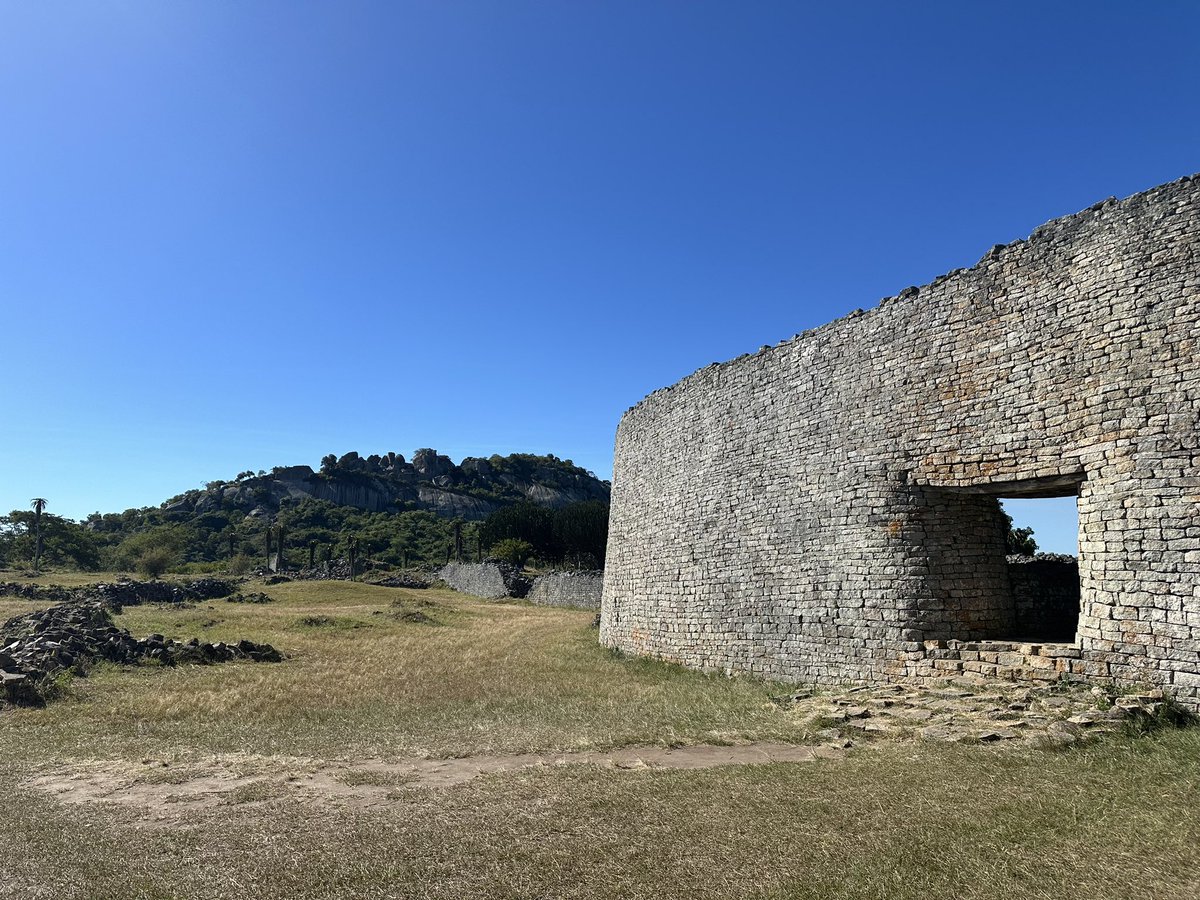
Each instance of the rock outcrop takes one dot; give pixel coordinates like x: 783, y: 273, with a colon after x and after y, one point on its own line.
x: 471, y: 489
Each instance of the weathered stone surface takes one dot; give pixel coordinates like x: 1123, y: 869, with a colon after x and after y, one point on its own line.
x: 488, y: 580
x: 817, y: 510
x: 578, y: 589
x: 984, y: 710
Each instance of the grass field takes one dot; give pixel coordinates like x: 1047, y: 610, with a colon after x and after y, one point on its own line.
x: 296, y: 779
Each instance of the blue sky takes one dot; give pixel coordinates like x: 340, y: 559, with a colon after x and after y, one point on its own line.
x: 236, y: 235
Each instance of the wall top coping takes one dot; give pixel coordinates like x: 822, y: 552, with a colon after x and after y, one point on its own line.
x: 1042, y: 235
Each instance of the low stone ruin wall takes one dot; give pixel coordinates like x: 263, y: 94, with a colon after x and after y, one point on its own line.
x: 488, y: 580
x: 126, y: 592
x: 578, y: 589
x: 1046, y: 596
x: 70, y: 636
x: 498, y: 581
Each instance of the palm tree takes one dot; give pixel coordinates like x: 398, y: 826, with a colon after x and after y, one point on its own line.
x: 352, y: 545
x: 38, y: 504
x: 282, y: 563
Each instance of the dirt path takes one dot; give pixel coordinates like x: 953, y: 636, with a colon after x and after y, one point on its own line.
x: 956, y: 711
x: 169, y: 793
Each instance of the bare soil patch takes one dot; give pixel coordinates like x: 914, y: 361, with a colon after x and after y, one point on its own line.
x: 172, y: 792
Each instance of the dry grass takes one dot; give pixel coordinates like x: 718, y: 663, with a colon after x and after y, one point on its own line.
x: 492, y: 678
x: 1115, y: 821
x: 65, y: 579
x: 1119, y: 818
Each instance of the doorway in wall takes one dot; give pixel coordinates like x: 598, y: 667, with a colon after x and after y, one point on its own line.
x: 1043, y: 566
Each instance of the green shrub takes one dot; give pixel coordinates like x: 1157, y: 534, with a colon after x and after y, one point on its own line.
x: 153, y: 562
x: 513, y: 551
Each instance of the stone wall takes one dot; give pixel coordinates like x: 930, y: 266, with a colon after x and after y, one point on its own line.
x: 581, y: 589
x: 819, y: 509
x: 1045, y: 591
x: 489, y: 580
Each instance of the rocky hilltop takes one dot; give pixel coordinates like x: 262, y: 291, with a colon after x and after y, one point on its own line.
x: 388, y: 482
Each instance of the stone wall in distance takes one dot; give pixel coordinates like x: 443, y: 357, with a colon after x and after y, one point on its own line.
x: 485, y: 580
x: 578, y: 589
x: 1045, y: 592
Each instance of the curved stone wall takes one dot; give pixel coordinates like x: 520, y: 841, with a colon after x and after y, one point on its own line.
x: 820, y: 509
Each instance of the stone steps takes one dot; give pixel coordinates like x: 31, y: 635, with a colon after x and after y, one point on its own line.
x: 1006, y: 660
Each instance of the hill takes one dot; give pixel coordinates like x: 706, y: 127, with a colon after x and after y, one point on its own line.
x: 470, y: 490
x: 380, y: 507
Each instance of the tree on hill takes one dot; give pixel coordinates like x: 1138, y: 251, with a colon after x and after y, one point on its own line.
x: 1018, y: 541
x: 514, y: 551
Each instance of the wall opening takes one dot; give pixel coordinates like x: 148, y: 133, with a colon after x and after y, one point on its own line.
x: 1044, y: 579
x: 983, y: 588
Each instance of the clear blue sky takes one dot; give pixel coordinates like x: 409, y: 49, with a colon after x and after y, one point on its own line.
x: 237, y: 235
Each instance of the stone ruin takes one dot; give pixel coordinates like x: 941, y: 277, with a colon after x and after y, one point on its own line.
x: 78, y: 631
x: 826, y: 509
x: 495, y: 580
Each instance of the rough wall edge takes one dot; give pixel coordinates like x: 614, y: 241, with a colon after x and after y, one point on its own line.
x: 1042, y: 233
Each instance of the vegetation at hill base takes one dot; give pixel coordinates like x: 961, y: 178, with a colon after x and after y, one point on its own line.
x: 428, y: 512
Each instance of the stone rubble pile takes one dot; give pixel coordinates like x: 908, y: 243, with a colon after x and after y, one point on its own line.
x: 125, y: 592
x: 25, y: 591
x: 249, y: 597
x: 38, y: 646
x: 337, y: 570
x: 133, y: 593
x: 975, y: 711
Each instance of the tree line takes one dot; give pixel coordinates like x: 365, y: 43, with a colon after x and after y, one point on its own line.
x: 301, y: 534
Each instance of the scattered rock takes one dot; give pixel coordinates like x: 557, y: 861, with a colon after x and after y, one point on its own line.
x: 249, y: 597
x: 944, y: 733
x: 414, y: 579
x: 36, y: 647
x: 991, y: 711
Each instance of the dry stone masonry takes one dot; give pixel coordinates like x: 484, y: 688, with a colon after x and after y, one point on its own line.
x: 492, y: 580
x: 825, y: 509
x: 488, y: 580
x: 1045, y: 590
x: 579, y: 589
